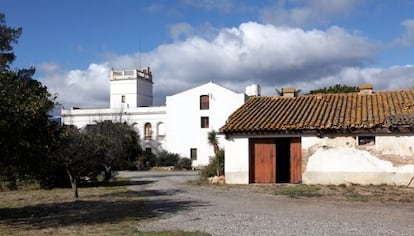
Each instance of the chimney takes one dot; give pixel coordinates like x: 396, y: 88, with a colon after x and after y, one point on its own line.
x: 253, y: 90
x: 288, y: 92
x: 365, y: 89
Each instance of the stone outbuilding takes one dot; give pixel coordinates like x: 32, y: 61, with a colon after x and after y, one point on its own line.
x: 364, y: 137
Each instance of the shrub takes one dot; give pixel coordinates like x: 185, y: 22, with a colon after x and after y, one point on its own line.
x: 215, y: 166
x: 165, y: 158
x: 146, y: 161
x: 126, y: 165
x: 183, y: 164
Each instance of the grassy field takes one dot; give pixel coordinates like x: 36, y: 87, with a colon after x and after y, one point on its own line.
x: 100, y: 210
x: 355, y: 193
x: 112, y: 209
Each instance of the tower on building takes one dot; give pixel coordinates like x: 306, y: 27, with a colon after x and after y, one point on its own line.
x: 131, y: 88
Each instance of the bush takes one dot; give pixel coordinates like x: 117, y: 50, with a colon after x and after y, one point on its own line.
x: 215, y: 166
x: 126, y: 165
x: 167, y: 159
x: 7, y: 185
x: 183, y: 164
x: 146, y: 161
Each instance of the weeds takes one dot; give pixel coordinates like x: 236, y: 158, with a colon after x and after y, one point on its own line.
x: 172, y: 233
x: 295, y: 191
x: 354, y: 197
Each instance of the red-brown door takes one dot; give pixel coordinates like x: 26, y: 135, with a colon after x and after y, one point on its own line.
x: 263, y: 161
x: 295, y: 161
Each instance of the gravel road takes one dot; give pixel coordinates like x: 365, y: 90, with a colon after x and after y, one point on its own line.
x: 237, y: 211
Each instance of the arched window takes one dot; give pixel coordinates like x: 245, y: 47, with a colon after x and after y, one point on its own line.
x: 147, y: 131
x: 204, y: 102
x: 161, y: 129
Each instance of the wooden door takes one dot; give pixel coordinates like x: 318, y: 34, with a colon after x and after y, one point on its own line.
x: 295, y: 161
x: 263, y: 161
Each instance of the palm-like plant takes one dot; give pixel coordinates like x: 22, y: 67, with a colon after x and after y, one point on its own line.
x: 213, y: 140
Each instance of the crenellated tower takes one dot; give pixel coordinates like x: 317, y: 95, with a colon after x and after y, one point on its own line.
x: 131, y: 88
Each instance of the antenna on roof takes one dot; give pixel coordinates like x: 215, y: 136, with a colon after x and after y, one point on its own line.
x: 140, y: 66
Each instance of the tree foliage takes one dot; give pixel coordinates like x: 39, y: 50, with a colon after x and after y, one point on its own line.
x: 338, y: 88
x: 8, y: 36
x: 25, y: 129
x: 26, y: 133
x: 213, y: 140
x: 218, y: 160
x: 120, y: 144
x: 79, y: 153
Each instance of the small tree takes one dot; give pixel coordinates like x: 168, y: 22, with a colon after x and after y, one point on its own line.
x: 120, y: 143
x: 79, y: 153
x: 218, y: 153
x: 213, y: 140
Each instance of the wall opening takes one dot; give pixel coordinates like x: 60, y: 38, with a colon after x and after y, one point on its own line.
x: 147, y: 131
x: 366, y: 140
x: 282, y: 160
x: 204, y: 122
x: 204, y: 102
x: 193, y: 154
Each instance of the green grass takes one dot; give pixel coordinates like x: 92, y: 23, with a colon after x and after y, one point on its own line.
x: 354, y: 197
x: 102, y: 209
x: 172, y: 233
x: 296, y: 191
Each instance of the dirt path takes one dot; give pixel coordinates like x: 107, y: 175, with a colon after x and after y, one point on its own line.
x: 236, y: 211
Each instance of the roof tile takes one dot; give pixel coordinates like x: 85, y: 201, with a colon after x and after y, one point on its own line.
x: 323, y: 111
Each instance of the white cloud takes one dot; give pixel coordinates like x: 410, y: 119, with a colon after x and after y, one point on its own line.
x: 392, y: 78
x: 271, y: 56
x: 408, y: 37
x: 81, y: 88
x: 180, y: 30
x: 306, y: 13
x: 253, y: 52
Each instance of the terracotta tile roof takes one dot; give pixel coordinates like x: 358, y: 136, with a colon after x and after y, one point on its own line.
x: 348, y: 111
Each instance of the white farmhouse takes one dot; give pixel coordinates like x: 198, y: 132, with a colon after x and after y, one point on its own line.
x: 180, y: 127
x: 364, y: 137
x: 195, y: 112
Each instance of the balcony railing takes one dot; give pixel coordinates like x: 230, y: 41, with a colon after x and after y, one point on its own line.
x: 128, y: 74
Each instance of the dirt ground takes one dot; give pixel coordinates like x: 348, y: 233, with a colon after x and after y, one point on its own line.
x: 273, y: 209
x: 143, y: 202
x: 353, y: 193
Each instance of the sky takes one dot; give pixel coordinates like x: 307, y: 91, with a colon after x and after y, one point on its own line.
x: 305, y: 44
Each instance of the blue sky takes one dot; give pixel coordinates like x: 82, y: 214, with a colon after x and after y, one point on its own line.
x: 285, y: 43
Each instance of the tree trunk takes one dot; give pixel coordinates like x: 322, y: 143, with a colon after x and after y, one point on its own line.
x: 73, y: 183
x: 108, y: 173
x: 216, y: 148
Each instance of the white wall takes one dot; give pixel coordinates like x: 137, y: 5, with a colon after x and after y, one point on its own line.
x: 133, y: 116
x: 144, y: 90
x: 183, y: 119
x: 127, y: 88
x: 352, y: 166
x: 401, y: 145
x: 341, y: 160
x: 137, y: 92
x: 336, y: 160
x: 237, y: 161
